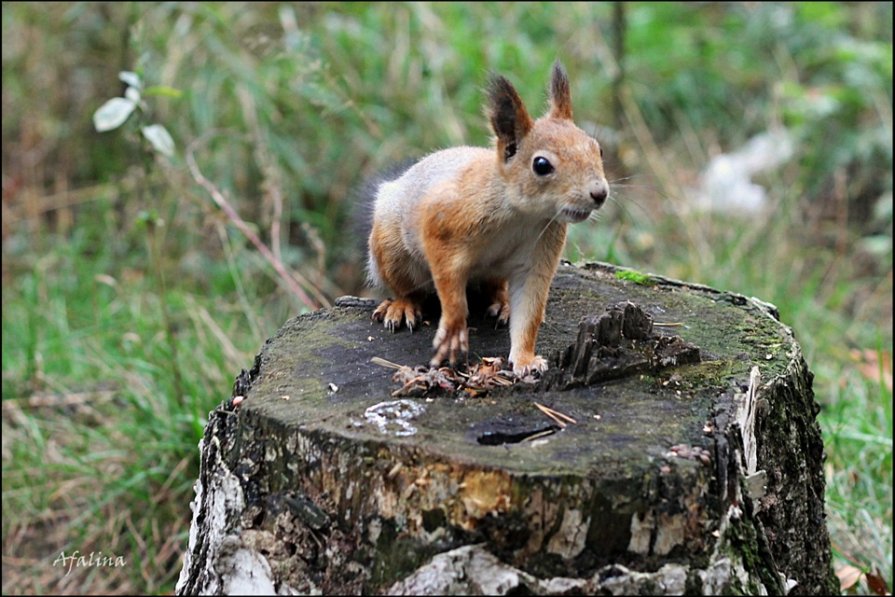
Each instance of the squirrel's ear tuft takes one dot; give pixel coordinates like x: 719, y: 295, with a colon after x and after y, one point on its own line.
x: 508, y: 116
x: 560, y: 95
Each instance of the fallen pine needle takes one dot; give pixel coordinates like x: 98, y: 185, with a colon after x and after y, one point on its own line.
x: 539, y: 435
x: 555, y: 414
x: 551, y: 414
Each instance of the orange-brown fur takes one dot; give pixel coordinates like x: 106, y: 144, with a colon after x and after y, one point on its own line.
x: 492, y: 215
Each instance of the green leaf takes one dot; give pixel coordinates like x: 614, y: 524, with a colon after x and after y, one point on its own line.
x: 160, y: 138
x: 113, y: 113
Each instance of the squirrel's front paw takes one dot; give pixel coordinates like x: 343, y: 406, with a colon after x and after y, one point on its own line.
x: 393, y: 312
x: 523, y: 366
x: 451, y: 340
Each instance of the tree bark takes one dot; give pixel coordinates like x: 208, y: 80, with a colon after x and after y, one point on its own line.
x: 671, y: 448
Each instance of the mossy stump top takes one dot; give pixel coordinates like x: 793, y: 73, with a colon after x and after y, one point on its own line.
x: 688, y: 460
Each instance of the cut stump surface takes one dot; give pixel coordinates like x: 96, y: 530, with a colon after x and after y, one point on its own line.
x: 698, y: 472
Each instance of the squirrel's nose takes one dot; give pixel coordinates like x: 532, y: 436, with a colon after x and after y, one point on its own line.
x: 599, y: 193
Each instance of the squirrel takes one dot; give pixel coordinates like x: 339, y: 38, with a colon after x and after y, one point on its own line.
x: 496, y: 215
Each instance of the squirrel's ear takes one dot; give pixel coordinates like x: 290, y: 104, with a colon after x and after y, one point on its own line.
x: 560, y: 96
x: 508, y: 116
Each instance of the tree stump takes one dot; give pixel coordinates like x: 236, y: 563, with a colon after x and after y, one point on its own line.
x: 671, y: 448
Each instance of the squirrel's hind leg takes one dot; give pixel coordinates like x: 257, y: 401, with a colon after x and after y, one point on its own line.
x: 498, y: 299
x: 403, y: 310
x: 399, y: 272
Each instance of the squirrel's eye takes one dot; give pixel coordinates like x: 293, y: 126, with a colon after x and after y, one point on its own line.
x: 542, y: 166
x: 601, y: 151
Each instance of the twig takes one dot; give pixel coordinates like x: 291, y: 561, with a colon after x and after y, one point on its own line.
x: 271, y: 185
x: 60, y: 200
x: 291, y: 280
x: 59, y: 401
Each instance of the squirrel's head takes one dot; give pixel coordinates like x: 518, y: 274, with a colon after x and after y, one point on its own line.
x: 550, y: 167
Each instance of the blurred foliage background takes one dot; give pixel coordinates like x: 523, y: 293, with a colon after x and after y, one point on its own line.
x: 131, y: 299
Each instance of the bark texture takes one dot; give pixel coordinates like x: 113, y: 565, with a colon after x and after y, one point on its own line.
x: 693, y: 465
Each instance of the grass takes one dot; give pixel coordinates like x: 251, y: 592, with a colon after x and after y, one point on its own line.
x: 131, y: 302
x: 857, y: 426
x: 103, y: 410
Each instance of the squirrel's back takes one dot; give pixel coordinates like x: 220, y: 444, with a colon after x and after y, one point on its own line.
x: 395, y: 206
x: 402, y: 193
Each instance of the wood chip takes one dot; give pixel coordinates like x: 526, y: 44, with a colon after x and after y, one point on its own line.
x: 384, y: 363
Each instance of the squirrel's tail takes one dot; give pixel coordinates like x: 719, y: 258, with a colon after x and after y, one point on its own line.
x: 363, y: 199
